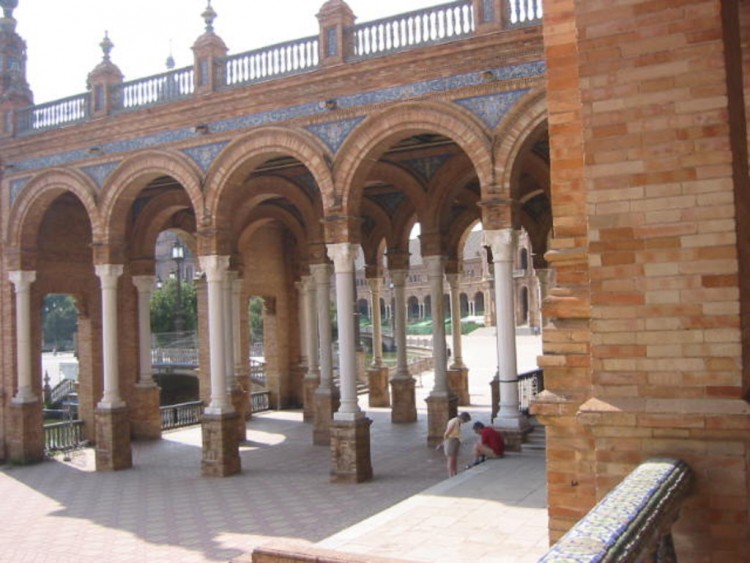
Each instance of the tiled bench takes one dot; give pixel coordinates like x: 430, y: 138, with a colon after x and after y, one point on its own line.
x: 633, y: 522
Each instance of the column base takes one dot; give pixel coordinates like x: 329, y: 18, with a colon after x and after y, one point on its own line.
x: 404, y: 400
x: 221, y: 452
x: 440, y: 409
x: 145, y: 416
x: 458, y: 383
x: 309, y: 386
x: 378, y: 383
x: 26, y: 440
x: 350, y: 451
x: 113, y: 451
x: 241, y: 403
x: 361, y: 358
x: 327, y: 402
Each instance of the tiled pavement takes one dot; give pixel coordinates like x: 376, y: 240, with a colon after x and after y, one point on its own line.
x: 163, y: 510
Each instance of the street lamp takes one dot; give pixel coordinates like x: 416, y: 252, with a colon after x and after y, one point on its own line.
x: 178, y: 255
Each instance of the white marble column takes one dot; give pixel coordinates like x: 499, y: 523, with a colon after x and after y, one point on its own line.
x: 453, y: 283
x: 312, y: 342
x: 108, y: 275
x: 399, y: 295
x: 343, y: 254
x: 215, y: 268
x: 145, y: 287
x: 22, y: 280
x: 435, y: 273
x: 302, y: 322
x: 501, y: 243
x: 229, y: 328
x: 322, y: 277
x: 240, y: 362
x: 377, y: 324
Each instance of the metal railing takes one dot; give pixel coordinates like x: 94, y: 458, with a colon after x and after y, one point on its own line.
x: 530, y: 384
x: 63, y: 389
x: 260, y: 401
x: 181, y: 414
x: 63, y: 436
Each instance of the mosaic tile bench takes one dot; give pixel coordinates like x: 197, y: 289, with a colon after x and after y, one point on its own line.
x: 633, y: 522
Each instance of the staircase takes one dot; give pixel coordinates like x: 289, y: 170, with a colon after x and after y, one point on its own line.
x: 536, y: 440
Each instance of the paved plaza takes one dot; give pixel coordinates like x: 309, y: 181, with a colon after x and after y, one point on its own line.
x: 163, y: 510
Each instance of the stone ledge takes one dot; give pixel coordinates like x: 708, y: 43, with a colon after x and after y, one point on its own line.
x: 286, y: 551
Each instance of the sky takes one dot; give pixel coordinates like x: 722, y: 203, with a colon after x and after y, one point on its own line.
x: 62, y: 36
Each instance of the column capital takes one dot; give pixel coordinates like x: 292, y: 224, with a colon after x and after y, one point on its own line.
x: 215, y: 266
x: 375, y: 284
x: 108, y: 273
x: 397, y: 259
x: 342, y: 254
x: 453, y: 280
x: 144, y: 284
x: 22, y: 279
x: 500, y: 242
x: 399, y: 276
x: 321, y: 272
x: 435, y: 265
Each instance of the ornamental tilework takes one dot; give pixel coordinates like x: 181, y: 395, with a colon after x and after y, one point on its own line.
x: 426, y: 167
x: 491, y: 109
x: 99, y: 172
x: 16, y: 186
x: 204, y: 155
x: 334, y: 133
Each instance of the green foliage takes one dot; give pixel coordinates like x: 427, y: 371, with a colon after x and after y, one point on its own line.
x: 59, y: 321
x: 255, y: 318
x: 164, y: 305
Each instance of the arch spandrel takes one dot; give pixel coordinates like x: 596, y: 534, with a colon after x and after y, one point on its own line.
x: 243, y: 155
x: 376, y: 133
x: 134, y: 174
x: 38, y: 194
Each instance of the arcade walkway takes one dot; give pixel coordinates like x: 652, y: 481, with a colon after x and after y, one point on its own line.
x: 163, y: 510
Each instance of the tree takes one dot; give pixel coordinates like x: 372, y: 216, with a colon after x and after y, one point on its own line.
x: 164, y: 306
x: 59, y: 321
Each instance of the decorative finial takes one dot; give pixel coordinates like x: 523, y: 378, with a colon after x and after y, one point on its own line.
x: 170, y: 58
x: 106, y: 46
x: 209, y: 15
x: 8, y: 7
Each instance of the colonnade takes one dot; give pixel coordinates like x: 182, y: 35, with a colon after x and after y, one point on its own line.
x: 335, y: 412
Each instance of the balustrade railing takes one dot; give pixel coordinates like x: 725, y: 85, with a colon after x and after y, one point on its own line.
x: 62, y: 436
x: 275, y: 61
x: 186, y: 357
x: 260, y: 401
x: 53, y: 114
x: 62, y: 390
x: 530, y: 384
x: 258, y: 372
x: 181, y: 414
x: 421, y: 27
x: 157, y: 89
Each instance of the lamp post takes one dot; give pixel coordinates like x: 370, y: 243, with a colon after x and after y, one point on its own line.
x: 178, y: 255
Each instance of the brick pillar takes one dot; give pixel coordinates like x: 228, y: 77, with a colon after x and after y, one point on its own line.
x: 458, y: 383
x: 145, y: 422
x: 378, y: 382
x: 333, y: 18
x: 440, y: 409
x: 208, y: 52
x: 403, y: 396
x: 26, y: 439
x: 221, y: 456
x: 113, y: 439
x: 350, y: 451
x: 327, y: 402
x: 102, y: 82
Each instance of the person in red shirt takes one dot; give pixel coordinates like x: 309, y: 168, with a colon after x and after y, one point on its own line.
x: 489, y: 445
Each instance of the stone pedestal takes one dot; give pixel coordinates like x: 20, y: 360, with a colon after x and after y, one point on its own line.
x: 458, y: 383
x: 378, y: 383
x: 113, y: 439
x: 221, y: 453
x: 310, y: 385
x: 361, y: 358
x: 404, y: 400
x: 440, y: 409
x: 241, y: 403
x: 26, y: 440
x: 145, y: 416
x: 326, y: 403
x: 350, y: 451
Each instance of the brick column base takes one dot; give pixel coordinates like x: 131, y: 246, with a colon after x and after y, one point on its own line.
x: 309, y: 387
x: 113, y: 439
x: 26, y: 440
x: 350, y: 451
x: 221, y: 452
x: 378, y: 382
x: 326, y: 403
x: 440, y: 409
x: 458, y: 383
x: 145, y: 416
x: 404, y: 400
x: 241, y: 404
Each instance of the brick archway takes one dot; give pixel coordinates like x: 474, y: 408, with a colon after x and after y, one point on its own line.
x: 377, y: 132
